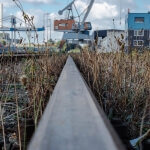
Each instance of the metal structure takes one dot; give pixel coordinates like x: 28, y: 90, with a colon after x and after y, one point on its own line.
x: 1, y: 15
x: 73, y: 29
x: 13, y: 28
x: 73, y: 119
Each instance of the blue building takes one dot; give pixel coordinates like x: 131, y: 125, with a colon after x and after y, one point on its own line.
x: 138, y: 30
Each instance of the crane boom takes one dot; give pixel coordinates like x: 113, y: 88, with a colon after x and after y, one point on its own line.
x: 68, y: 6
x: 74, y: 30
x: 88, y: 11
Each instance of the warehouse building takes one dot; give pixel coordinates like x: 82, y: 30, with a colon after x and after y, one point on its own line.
x: 109, y: 40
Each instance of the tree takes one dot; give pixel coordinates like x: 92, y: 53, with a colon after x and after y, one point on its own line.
x: 4, y: 42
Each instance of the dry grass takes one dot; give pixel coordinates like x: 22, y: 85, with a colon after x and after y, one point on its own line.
x: 121, y: 83
x: 25, y: 88
x: 40, y: 77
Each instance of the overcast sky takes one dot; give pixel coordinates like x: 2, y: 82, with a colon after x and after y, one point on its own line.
x: 101, y: 16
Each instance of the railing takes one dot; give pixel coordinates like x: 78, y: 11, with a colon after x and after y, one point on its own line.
x: 73, y: 119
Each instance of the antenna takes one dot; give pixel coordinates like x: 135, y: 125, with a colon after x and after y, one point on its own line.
x: 113, y: 23
x: 128, y: 10
x: 120, y: 12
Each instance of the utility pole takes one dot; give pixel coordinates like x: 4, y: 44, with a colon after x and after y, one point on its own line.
x: 46, y: 24
x: 50, y: 28
x: 1, y: 15
x: 13, y: 33
x: 114, y: 23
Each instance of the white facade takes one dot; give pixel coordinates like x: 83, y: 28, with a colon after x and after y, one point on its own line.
x: 112, y: 42
x: 1, y: 15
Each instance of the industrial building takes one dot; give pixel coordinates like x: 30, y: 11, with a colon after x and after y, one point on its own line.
x: 138, y: 30
x: 5, y: 37
x: 109, y: 40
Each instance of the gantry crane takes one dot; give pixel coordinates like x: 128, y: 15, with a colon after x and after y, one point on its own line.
x: 74, y: 30
x: 13, y: 29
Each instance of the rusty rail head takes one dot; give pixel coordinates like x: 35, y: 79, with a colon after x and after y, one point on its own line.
x: 73, y: 120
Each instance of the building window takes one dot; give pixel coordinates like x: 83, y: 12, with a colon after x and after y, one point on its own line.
x: 135, y: 43
x: 139, y: 19
x: 138, y: 43
x: 62, y: 25
x: 138, y: 32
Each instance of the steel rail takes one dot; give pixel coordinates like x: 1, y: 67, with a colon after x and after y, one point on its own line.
x: 73, y: 120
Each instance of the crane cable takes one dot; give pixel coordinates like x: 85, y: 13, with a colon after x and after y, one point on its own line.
x: 18, y: 3
x: 77, y: 12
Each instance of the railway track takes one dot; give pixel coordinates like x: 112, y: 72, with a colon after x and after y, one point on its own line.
x: 17, y: 57
x: 73, y: 120
x: 22, y: 55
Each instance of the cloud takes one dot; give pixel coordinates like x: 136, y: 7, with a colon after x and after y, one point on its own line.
x: 103, y: 10
x: 7, y: 3
x: 130, y: 1
x: 10, y: 3
x: 39, y: 1
x: 99, y: 10
x: 102, y: 13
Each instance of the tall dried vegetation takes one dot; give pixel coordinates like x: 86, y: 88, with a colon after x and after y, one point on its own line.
x: 25, y: 88
x: 121, y: 84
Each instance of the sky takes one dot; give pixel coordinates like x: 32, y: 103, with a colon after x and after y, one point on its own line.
x: 101, y: 15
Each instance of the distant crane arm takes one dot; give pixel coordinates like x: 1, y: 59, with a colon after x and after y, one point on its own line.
x: 68, y: 6
x: 88, y: 11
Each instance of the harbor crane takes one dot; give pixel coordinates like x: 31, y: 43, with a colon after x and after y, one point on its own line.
x: 73, y: 30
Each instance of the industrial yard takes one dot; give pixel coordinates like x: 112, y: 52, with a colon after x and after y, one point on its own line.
x: 66, y: 84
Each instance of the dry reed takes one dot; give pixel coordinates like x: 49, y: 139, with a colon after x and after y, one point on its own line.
x: 121, y: 83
